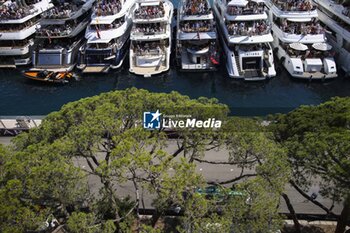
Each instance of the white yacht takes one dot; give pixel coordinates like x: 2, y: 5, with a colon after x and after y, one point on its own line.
x: 336, y: 18
x: 299, y: 40
x: 107, y: 36
x: 61, y: 34
x: 150, y: 37
x: 197, y: 47
x: 245, y: 36
x: 18, y: 22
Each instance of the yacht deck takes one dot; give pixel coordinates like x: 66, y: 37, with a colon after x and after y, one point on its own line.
x: 148, y: 71
x: 95, y: 69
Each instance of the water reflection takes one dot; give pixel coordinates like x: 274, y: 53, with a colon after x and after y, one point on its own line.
x: 19, y: 96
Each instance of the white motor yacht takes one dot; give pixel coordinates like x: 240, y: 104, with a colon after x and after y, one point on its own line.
x: 246, y: 36
x: 61, y: 34
x: 18, y: 22
x: 150, y: 37
x: 299, y: 40
x: 107, y: 36
x: 197, y: 45
x: 335, y: 17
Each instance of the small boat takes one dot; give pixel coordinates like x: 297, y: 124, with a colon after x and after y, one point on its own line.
x: 49, y: 76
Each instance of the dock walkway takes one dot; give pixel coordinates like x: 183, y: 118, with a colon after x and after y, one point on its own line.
x: 12, y: 126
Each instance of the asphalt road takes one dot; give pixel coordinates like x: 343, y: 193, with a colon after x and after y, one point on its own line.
x: 215, y: 173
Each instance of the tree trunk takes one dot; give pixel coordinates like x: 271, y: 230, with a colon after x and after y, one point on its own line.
x: 297, y: 226
x: 344, y: 217
x: 137, y: 194
x: 155, y: 218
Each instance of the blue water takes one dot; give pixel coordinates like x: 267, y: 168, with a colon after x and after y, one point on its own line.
x: 19, y: 96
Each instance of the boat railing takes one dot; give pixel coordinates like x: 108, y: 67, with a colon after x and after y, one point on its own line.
x: 149, y: 30
x: 151, y: 50
x: 304, y: 28
x: 248, y: 10
x: 62, y: 11
x: 52, y: 31
x: 18, y: 45
x: 5, y: 28
x: 196, y: 26
x: 302, y: 5
x: 254, y: 47
x: 240, y: 29
x: 16, y: 10
x: 107, y: 7
x: 102, y: 27
x: 149, y: 12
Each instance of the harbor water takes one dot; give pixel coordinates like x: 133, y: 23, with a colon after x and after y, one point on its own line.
x: 19, y: 96
x: 281, y: 94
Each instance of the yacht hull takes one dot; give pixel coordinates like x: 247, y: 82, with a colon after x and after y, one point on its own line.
x: 97, y: 61
x: 296, y: 66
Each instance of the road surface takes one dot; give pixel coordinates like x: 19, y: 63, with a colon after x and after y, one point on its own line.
x: 215, y: 173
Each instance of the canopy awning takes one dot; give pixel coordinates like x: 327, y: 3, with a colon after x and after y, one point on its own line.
x: 298, y: 46
x: 299, y: 19
x: 238, y: 3
x: 155, y: 3
x: 99, y: 41
x: 53, y: 22
x: 258, y: 1
x: 322, y: 46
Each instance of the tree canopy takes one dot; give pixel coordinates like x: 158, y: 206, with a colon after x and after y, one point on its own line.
x: 75, y: 166
x: 317, y: 139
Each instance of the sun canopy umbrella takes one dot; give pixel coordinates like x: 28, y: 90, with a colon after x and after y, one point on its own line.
x: 322, y: 46
x: 238, y: 3
x: 298, y: 46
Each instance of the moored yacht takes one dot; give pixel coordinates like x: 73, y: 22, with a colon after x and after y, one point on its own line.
x: 336, y: 18
x: 245, y: 36
x: 18, y: 22
x: 107, y: 36
x: 150, y: 37
x: 61, y: 34
x: 299, y: 40
x: 197, y: 47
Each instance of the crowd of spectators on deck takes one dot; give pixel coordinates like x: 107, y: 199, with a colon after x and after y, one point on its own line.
x: 149, y: 29
x: 61, y: 11
x: 248, y: 28
x: 309, y: 53
x: 147, y: 48
x: 18, y: 26
x: 150, y: 12
x: 250, y: 8
x: 313, y: 27
x: 196, y: 26
x: 294, y: 5
x: 107, y: 7
x: 196, y: 7
x: 16, y: 9
x: 62, y: 30
x: 115, y: 24
x: 15, y: 43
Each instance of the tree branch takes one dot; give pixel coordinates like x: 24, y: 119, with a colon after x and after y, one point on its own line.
x: 234, y: 180
x: 292, y: 212
x: 328, y: 211
x: 178, y: 151
x: 229, y: 163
